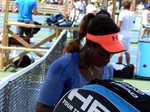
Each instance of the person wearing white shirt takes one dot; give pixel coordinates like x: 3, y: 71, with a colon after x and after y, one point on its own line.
x: 90, y: 8
x: 110, y: 7
x: 80, y: 7
x: 79, y: 11
x: 145, y: 21
x: 125, y: 21
x: 140, y: 7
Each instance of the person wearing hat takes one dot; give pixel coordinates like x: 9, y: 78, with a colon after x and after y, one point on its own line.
x: 81, y: 63
x: 90, y: 8
x: 145, y: 20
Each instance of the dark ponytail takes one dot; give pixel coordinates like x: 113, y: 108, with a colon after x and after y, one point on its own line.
x: 75, y: 45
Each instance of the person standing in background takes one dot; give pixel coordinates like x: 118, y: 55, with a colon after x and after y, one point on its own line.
x: 25, y: 9
x: 3, y: 5
x: 79, y: 10
x: 90, y: 8
x: 110, y: 7
x: 79, y: 14
x: 140, y: 7
x: 71, y: 9
x: 125, y: 21
x: 145, y: 21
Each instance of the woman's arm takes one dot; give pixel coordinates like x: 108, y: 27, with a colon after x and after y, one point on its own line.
x: 15, y: 8
x: 119, y: 24
x: 43, y: 108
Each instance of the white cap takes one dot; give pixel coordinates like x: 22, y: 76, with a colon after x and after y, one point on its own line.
x: 93, y: 1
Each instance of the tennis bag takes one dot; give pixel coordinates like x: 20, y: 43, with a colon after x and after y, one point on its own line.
x: 24, y: 61
x: 104, y: 96
x: 58, y: 20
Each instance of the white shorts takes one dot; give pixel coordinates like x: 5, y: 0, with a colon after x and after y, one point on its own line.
x: 125, y: 41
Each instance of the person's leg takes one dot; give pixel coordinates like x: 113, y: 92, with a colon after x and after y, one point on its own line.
x: 29, y: 31
x: 127, y: 54
x: 147, y: 30
x: 142, y: 33
x: 20, y: 30
x: 120, y: 58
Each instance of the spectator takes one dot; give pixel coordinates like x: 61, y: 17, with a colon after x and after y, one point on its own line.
x: 80, y: 65
x: 3, y: 5
x: 79, y: 14
x: 145, y: 21
x: 140, y: 7
x: 79, y: 11
x: 110, y: 7
x: 72, y: 10
x: 25, y: 8
x: 90, y: 8
x: 126, y: 18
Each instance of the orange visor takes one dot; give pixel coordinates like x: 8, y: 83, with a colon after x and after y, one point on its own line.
x: 109, y: 42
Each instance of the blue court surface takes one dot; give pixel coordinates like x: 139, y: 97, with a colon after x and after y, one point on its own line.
x: 133, y: 54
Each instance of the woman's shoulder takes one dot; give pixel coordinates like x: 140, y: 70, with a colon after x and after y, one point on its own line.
x: 107, y: 71
x: 108, y: 66
x: 61, y: 65
x: 64, y: 61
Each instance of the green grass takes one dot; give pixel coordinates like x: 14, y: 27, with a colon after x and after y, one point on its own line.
x: 141, y: 84
x: 10, y: 70
x: 134, y: 45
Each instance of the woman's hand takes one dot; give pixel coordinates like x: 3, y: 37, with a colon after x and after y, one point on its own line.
x: 43, y: 108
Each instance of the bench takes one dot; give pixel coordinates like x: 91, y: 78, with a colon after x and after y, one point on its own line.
x: 48, y: 9
x: 43, y: 9
x: 2, y: 6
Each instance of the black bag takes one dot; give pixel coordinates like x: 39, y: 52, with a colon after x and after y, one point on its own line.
x: 58, y: 20
x: 126, y: 72
x: 24, y: 61
x: 104, y: 96
x: 32, y: 30
x: 35, y: 30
